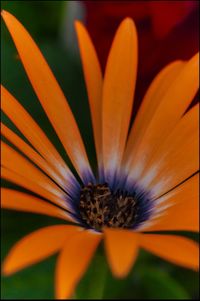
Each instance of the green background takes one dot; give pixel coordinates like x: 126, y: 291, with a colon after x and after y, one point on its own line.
x: 151, y: 277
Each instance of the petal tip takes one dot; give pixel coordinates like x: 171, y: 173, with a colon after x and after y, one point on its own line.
x: 63, y: 293
x: 129, y: 23
x: 6, y: 270
x: 119, y: 274
x: 5, y: 13
x: 77, y: 23
x: 79, y: 26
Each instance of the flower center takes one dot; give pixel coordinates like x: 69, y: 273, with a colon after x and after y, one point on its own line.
x: 100, y: 207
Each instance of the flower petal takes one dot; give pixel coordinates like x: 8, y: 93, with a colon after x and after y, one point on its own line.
x: 20, y: 201
x: 152, y: 99
x: 182, y: 212
x: 31, y: 154
x: 73, y: 261
x: 177, y: 249
x: 118, y: 93
x: 173, y: 105
x: 22, y: 181
x: 21, y: 166
x: 121, y: 248
x: 33, y: 133
x: 177, y: 158
x: 94, y: 84
x: 37, y: 246
x: 50, y: 94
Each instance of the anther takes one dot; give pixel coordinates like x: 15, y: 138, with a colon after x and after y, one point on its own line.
x: 100, y: 207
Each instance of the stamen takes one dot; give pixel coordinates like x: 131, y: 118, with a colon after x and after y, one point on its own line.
x: 100, y: 207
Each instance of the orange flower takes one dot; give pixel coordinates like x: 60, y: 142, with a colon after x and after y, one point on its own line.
x: 147, y: 180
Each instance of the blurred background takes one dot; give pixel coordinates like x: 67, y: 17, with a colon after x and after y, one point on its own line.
x: 167, y: 30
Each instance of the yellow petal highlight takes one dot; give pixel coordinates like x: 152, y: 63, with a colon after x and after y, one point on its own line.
x: 49, y: 94
x: 118, y: 93
x: 37, y: 246
x: 176, y: 249
x: 94, y: 84
x: 122, y: 249
x: 73, y: 261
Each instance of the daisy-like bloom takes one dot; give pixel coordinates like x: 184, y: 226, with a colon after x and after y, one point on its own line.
x: 146, y: 180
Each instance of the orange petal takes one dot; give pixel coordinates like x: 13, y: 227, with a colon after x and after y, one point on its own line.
x: 177, y: 249
x: 20, y: 201
x: 17, y: 179
x: 174, y: 103
x: 49, y: 93
x: 118, y: 93
x: 37, y: 246
x: 33, y: 133
x: 94, y: 84
x: 177, y: 158
x: 183, y: 211
x: 73, y: 261
x: 21, y: 166
x: 121, y: 248
x: 152, y: 99
x: 31, y: 154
